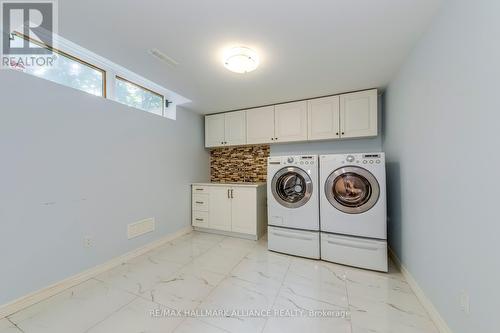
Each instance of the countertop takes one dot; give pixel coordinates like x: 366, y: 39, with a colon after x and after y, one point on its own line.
x: 242, y: 184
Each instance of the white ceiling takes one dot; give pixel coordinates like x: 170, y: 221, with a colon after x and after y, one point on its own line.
x: 307, y: 48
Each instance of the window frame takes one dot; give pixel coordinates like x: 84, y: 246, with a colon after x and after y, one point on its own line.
x: 73, y: 51
x: 71, y: 57
x: 118, y: 77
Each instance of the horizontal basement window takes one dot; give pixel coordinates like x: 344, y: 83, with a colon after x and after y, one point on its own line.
x: 134, y: 95
x: 79, y: 68
x: 63, y: 69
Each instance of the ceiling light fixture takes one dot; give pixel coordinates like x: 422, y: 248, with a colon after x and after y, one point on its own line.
x: 241, y: 59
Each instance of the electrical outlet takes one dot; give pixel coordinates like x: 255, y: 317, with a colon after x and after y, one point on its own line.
x: 88, y: 242
x: 464, y: 302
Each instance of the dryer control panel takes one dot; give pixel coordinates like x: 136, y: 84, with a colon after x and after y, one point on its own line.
x: 372, y: 158
x: 356, y: 158
x: 303, y: 160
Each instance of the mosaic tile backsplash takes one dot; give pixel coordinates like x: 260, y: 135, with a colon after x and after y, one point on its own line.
x: 239, y: 164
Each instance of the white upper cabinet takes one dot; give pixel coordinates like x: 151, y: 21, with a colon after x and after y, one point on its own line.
x: 352, y: 115
x: 235, y: 128
x: 323, y: 118
x: 226, y: 129
x: 358, y: 114
x: 260, y: 125
x: 290, y: 122
x: 215, y: 130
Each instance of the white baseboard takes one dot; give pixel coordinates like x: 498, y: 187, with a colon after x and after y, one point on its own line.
x: 226, y: 233
x: 39, y: 295
x: 440, y: 323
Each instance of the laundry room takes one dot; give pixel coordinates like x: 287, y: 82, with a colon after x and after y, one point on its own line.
x: 263, y: 167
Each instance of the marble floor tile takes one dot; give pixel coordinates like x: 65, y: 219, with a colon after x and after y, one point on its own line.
x: 140, y: 275
x: 263, y: 269
x: 298, y: 313
x: 238, y: 295
x: 136, y: 317
x: 311, y: 325
x: 193, y: 325
x: 7, y: 327
x: 239, y: 243
x: 386, y: 317
x: 316, y: 280
x: 201, y: 271
x: 180, y: 253
x: 187, y: 288
x: 220, y: 260
x: 381, y: 302
x: 200, y: 238
x: 74, y: 310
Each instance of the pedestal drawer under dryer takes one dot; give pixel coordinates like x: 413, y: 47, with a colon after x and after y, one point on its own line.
x: 354, y: 251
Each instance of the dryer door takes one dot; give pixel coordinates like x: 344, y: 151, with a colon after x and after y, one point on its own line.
x: 352, y: 190
x: 292, y: 187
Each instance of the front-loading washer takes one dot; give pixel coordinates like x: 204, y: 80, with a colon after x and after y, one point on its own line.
x: 353, y: 211
x: 293, y: 205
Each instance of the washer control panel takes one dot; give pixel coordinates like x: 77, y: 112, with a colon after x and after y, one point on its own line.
x: 299, y: 160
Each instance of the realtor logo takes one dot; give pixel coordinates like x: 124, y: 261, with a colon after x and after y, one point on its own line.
x: 27, y: 28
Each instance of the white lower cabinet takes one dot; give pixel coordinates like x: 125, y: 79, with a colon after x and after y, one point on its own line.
x: 219, y: 211
x: 238, y: 209
x: 200, y: 219
x: 243, y: 210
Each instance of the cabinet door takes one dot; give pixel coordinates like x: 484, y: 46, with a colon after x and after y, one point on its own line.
x: 235, y: 128
x: 214, y: 130
x: 260, y: 125
x: 244, y: 210
x: 219, y: 211
x: 323, y: 118
x: 358, y: 114
x: 290, y: 121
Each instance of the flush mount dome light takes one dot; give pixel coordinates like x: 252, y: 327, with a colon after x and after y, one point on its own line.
x: 241, y: 59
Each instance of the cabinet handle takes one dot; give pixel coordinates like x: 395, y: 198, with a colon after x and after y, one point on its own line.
x: 337, y: 133
x: 199, y: 219
x: 199, y: 202
x: 228, y: 196
x: 275, y: 138
x: 199, y: 189
x: 343, y: 133
x: 272, y: 139
x: 232, y: 194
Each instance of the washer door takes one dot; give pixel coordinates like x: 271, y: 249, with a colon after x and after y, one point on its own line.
x: 292, y: 187
x: 352, y: 190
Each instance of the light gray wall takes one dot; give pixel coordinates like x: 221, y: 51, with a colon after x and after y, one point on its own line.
x: 442, y: 121
x: 75, y: 165
x: 365, y: 145
x: 328, y: 147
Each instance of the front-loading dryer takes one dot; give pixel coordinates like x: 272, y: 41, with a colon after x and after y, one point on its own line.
x: 293, y: 205
x: 353, y: 210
